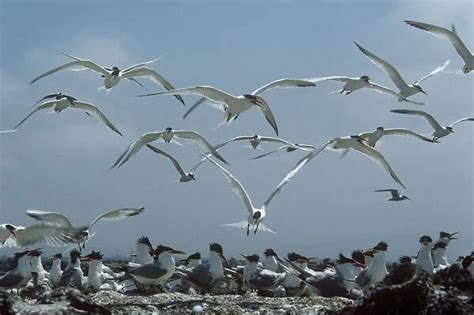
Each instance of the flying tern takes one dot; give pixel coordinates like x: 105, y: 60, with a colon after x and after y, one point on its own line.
x: 62, y: 101
x: 56, y: 272
x: 439, y: 131
x: 396, y: 194
x: 168, y: 135
x: 453, y: 37
x: 256, y: 140
x: 371, y: 138
x: 404, y: 89
x: 296, y: 146
x: 185, y: 177
x: 346, y: 144
x: 256, y: 215
x: 35, y: 234
x: 113, y: 75
x: 438, y: 253
x: 80, y: 234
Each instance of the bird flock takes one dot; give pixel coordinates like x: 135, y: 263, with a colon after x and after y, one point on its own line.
x: 156, y: 267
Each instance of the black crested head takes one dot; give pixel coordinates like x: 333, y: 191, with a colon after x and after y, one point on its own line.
x: 75, y: 255
x: 380, y: 128
x: 252, y: 258
x: 161, y: 249
x: 444, y: 234
x: 145, y: 241
x: 404, y: 260
x: 196, y: 255
x: 169, y: 129
x: 257, y: 215
x: 381, y: 246
x: 341, y: 259
x: 358, y: 255
x: 270, y: 252
x: 255, y: 136
x: 439, y: 245
x: 365, y: 78
x: 94, y: 255
x: 58, y: 256
x: 115, y: 71
x: 216, y: 247
x: 425, y: 239
x: 10, y: 227
x: 295, y: 257
x: 35, y: 252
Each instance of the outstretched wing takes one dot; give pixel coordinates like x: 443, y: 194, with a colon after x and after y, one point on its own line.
x: 43, y: 233
x: 435, y: 71
x: 461, y: 120
x: 118, y: 214
x: 168, y: 156
x: 140, y: 65
x: 434, y: 124
x: 135, y: 146
x: 284, y: 83
x: 405, y: 132
x: 196, y: 137
x: 153, y: 76
x: 50, y: 218
x: 385, y: 90
x: 236, y: 186
x: 267, y: 112
x: 209, y: 92
x: 89, y: 108
x: 40, y: 107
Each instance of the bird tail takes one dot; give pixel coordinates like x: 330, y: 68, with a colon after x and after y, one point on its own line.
x: 244, y: 224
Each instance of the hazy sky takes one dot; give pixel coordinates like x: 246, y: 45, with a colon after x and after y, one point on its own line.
x: 60, y: 162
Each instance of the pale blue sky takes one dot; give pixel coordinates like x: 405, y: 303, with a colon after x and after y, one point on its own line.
x: 60, y: 162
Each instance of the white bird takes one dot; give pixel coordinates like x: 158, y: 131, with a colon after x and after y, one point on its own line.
x: 259, y: 278
x: 256, y: 215
x: 424, y: 259
x: 112, y: 76
x: 18, y: 276
x: 363, y: 82
x: 185, y: 177
x: 297, y: 146
x: 346, y: 144
x: 446, y: 237
x: 256, y: 140
x: 98, y: 279
x: 144, y: 250
x: 232, y: 105
x: 404, y: 89
x: 56, y: 272
x: 376, y: 270
x: 371, y: 138
x: 271, y: 261
x: 73, y: 275
x: 439, y: 131
x: 80, y: 234
x: 37, y: 265
x: 453, y: 37
x: 396, y: 194
x: 62, y: 102
x: 167, y: 136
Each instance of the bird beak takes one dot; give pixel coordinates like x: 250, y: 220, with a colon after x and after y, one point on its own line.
x: 452, y: 131
x: 423, y: 92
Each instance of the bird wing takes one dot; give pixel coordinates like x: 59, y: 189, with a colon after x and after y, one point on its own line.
x: 461, y: 120
x: 196, y: 137
x: 267, y: 112
x: 149, y: 271
x: 385, y: 90
x: 118, y: 214
x: 153, y: 76
x: 284, y: 83
x: 236, y: 186
x: 38, y: 108
x: 77, y: 62
x: 281, y: 141
x: 344, y: 79
x: 43, y: 233
x: 270, y: 152
x: 140, y: 65
x: 194, y: 106
x: 428, y: 117
x: 50, y: 218
x: 239, y: 138
x: 89, y: 108
x: 379, y: 62
x: 405, y: 132
x: 170, y: 157
x: 44, y: 98
x: 435, y: 71
x: 442, y: 32
x: 377, y: 157
x: 384, y: 190
x: 135, y: 146
x: 209, y: 92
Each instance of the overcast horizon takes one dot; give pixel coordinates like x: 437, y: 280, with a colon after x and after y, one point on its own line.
x: 60, y: 162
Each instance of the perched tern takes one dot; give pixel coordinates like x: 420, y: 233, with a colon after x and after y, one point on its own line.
x: 396, y: 194
x: 62, y: 102
x: 371, y: 138
x: 377, y: 270
x: 113, y: 75
x: 446, y: 237
x: 168, y: 135
x: 453, y: 37
x: 18, y: 276
x: 348, y: 268
x: 256, y: 215
x: 80, y: 234
x: 439, y: 131
x: 424, y: 259
x: 438, y: 253
x: 404, y: 89
x: 259, y: 278
x: 346, y: 144
x: 96, y: 277
x: 56, y: 272
x: 185, y: 177
x: 271, y: 261
x: 73, y: 276
x: 233, y: 105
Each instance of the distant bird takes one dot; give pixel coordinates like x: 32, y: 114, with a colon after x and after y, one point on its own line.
x: 259, y: 278
x: 80, y: 234
x: 185, y: 177
x: 113, y: 75
x: 56, y: 272
x: 363, y: 82
x: 371, y: 138
x: 256, y: 215
x: 404, y: 89
x: 231, y: 104
x: 167, y: 135
x: 376, y: 270
x: 346, y: 144
x: 424, y: 259
x: 295, y: 147
x: 62, y: 102
x: 156, y: 273
x: 453, y: 37
x: 18, y: 276
x: 396, y: 194
x: 439, y: 131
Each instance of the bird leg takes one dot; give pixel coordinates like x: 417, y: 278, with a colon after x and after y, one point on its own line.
x: 248, y: 229
x: 255, y: 232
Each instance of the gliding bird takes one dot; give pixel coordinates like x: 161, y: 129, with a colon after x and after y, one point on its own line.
x: 185, y: 177
x: 371, y: 138
x: 396, y: 194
